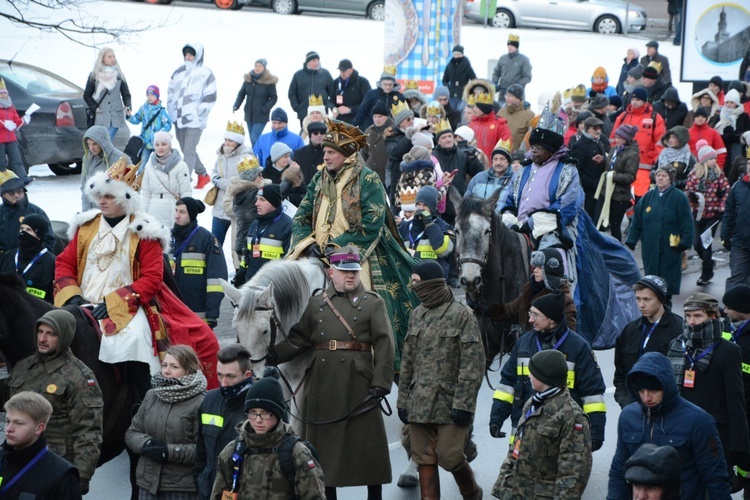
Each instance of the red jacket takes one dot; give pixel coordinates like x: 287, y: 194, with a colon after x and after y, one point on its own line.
x: 709, y: 134
x: 649, y: 134
x: 489, y: 129
x: 12, y: 115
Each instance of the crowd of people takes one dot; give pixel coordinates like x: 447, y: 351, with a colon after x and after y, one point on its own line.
x: 365, y: 186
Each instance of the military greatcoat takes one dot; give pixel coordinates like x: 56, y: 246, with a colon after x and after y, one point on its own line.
x: 353, y: 452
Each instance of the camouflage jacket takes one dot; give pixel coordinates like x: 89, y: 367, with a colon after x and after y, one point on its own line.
x: 75, y: 429
x: 553, y: 457
x: 261, y: 477
x: 442, y: 363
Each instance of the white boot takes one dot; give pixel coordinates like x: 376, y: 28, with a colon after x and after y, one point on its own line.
x: 410, y: 477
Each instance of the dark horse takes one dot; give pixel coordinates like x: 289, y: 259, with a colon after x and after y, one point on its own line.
x: 494, y: 265
x: 18, y: 314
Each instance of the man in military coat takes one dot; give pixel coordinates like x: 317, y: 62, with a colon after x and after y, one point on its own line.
x: 351, y: 369
x: 75, y: 429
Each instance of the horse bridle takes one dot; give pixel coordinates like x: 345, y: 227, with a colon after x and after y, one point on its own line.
x: 472, y: 260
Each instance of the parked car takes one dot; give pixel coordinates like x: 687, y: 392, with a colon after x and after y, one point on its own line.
x: 373, y: 9
x: 601, y: 16
x: 55, y: 134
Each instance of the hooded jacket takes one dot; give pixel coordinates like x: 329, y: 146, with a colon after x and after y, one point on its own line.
x: 259, y: 95
x: 92, y: 163
x: 10, y: 223
x: 74, y: 430
x: 192, y: 92
x: 675, y: 116
x: 680, y: 158
x: 675, y: 422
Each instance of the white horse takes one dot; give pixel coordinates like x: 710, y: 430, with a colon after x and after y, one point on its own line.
x: 269, y: 305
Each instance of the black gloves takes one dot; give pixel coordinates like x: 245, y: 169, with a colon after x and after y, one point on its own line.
x: 496, y: 432
x: 378, y: 392
x: 630, y: 245
x: 727, y: 244
x: 156, y: 450
x: 100, y: 311
x: 461, y: 417
x: 239, y: 277
x: 403, y: 416
x: 211, y: 322
x: 75, y: 300
x: 526, y: 229
x: 84, y: 485
x: 314, y: 251
x: 596, y: 444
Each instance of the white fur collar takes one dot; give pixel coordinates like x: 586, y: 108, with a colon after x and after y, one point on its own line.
x: 145, y: 226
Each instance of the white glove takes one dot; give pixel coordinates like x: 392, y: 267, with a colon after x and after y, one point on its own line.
x: 26, y: 119
x: 509, y: 219
x: 544, y: 222
x: 10, y: 125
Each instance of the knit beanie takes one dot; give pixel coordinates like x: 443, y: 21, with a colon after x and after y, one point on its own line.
x: 549, y: 367
x: 417, y: 153
x: 616, y: 101
x: 733, y: 96
x: 423, y: 139
x: 272, y: 194
x: 430, y: 197
x: 516, y: 90
x: 310, y: 56
x: 458, y: 48
x: 650, y: 72
x: 428, y: 270
x: 656, y: 284
x: 600, y: 72
x: 266, y: 394
x: 402, y: 115
x: 39, y: 224
x: 153, y: 89
x: 193, y: 206
x: 486, y: 108
x: 380, y: 109
x: 465, y: 133
x: 162, y: 136
x: 263, y: 62
x: 738, y: 299
x: 278, y: 150
x: 717, y: 80
x: 705, y: 152
x: 636, y: 73
x: 513, y: 40
x: 640, y: 93
x: 702, y: 111
x: 279, y: 115
x: 441, y: 91
x: 552, y: 305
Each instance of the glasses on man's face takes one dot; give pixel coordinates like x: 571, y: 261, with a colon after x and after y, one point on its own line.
x: 536, y: 147
x: 534, y: 314
x: 263, y: 415
x: 317, y: 132
x: 15, y: 191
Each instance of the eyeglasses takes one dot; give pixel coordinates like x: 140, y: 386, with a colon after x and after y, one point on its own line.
x: 14, y: 191
x: 317, y: 132
x: 263, y: 415
x: 537, y: 147
x: 534, y: 315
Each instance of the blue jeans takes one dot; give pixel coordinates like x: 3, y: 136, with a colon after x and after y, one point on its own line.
x: 145, y: 155
x: 112, y: 132
x: 254, y: 130
x: 678, y: 27
x: 739, y: 266
x: 219, y: 229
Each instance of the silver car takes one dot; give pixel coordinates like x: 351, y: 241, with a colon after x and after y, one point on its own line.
x: 601, y: 16
x: 374, y: 9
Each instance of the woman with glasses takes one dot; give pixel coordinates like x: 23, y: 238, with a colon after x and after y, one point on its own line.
x: 164, y: 430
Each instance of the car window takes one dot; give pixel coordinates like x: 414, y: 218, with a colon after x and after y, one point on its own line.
x: 34, y: 82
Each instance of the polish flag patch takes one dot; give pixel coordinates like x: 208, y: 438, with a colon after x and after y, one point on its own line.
x: 311, y: 464
x: 578, y: 427
x: 91, y: 382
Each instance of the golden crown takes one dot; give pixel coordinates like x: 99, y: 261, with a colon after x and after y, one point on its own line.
x: 443, y: 126
x: 345, y: 138
x: 2, y: 84
x: 434, y: 109
x: 481, y: 98
x: 506, y: 145
x: 513, y: 37
x: 578, y: 91
x: 235, y: 127
x: 656, y: 65
x: 411, y: 85
x: 121, y: 171
x: 8, y: 174
x: 390, y: 69
x: 315, y: 100
x: 567, y: 93
x: 247, y: 163
x: 408, y: 196
x: 399, y: 107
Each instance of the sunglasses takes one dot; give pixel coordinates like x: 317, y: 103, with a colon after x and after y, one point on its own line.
x: 317, y: 132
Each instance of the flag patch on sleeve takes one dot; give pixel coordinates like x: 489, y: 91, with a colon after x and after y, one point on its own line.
x: 311, y: 464
x: 578, y: 427
x: 91, y: 382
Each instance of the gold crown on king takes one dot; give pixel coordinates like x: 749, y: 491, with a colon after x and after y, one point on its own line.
x: 315, y: 100
x: 248, y: 163
x: 399, y: 107
x: 235, y: 127
x: 121, y: 171
x: 578, y: 91
x: 390, y: 69
x: 408, y: 196
x: 442, y: 126
x: 411, y: 85
x: 513, y: 37
x: 503, y: 144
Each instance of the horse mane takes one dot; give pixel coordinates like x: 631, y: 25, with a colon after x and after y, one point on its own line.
x: 290, y: 289
x: 473, y: 205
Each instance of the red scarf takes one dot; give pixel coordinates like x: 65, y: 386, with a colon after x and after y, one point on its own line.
x: 599, y: 87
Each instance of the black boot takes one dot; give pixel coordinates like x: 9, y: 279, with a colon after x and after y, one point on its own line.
x: 707, y: 274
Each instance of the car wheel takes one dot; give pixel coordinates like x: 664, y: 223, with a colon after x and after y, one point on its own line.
x: 503, y: 19
x: 607, y: 25
x: 284, y: 6
x: 69, y: 168
x: 376, y: 10
x: 228, y: 4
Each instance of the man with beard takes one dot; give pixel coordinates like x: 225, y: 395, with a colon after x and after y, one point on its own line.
x: 310, y: 156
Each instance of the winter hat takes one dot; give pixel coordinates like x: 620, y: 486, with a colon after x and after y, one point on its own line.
x: 39, y: 224
x: 193, y: 206
x: 272, y: 194
x: 640, y: 93
x: 311, y: 56
x: 502, y: 148
x: 733, y: 96
x: 636, y: 73
x: 153, y: 89
x: 441, y: 91
x: 549, y: 259
x: 583, y: 116
x: 517, y: 155
x: 549, y: 367
x: 430, y: 197
x: 465, y: 133
x: 403, y: 115
x: 162, y: 136
x: 266, y: 394
x: 279, y: 115
x: 736, y: 298
x: 235, y: 132
x: 513, y: 39
x: 423, y: 139
x: 263, y: 62
x: 345, y: 64
x: 428, y: 270
x: 279, y: 150
x: 316, y: 127
x: 9, y: 181
x: 599, y: 101
x: 657, y: 284
x: 101, y: 184
x: 616, y: 101
x: 63, y: 323
x: 592, y: 122
x: 716, y: 80
x: 187, y: 49
x: 485, y: 107
x: 702, y: 111
x: 705, y: 152
x: 639, y: 380
x: 516, y: 90
x: 458, y: 48
x: 699, y: 300
x: 651, y: 73
x: 600, y: 72
x: 417, y: 153
x: 653, y: 43
x: 380, y: 109
x: 736, y: 85
x: 653, y: 465
x: 552, y: 305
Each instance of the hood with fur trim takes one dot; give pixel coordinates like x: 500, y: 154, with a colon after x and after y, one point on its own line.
x: 469, y: 89
x: 142, y: 224
x: 695, y: 101
x: 265, y: 79
x: 100, y: 184
x: 682, y: 134
x: 294, y: 175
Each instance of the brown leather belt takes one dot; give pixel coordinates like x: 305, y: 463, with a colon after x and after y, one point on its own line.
x: 337, y: 345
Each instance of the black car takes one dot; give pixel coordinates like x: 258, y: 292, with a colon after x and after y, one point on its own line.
x: 55, y: 134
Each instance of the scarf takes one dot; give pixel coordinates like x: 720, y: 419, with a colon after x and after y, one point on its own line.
x: 255, y: 75
x: 535, y: 286
x: 432, y: 293
x: 599, y: 87
x: 539, y: 398
x: 167, y: 162
x: 175, y: 390
x: 728, y: 118
x: 181, y: 232
x: 236, y: 390
x: 712, y: 175
x: 28, y: 247
x: 328, y: 187
x: 106, y: 78
x: 693, y: 341
x: 548, y: 339
x: 672, y: 155
x: 6, y: 103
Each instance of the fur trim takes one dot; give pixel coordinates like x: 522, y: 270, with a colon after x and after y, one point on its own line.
x: 148, y: 228
x: 538, y: 259
x: 469, y: 89
x: 265, y: 79
x: 293, y: 174
x: 696, y: 99
x: 682, y: 134
x: 100, y: 184
x: 79, y: 220
x: 415, y: 94
x: 416, y: 165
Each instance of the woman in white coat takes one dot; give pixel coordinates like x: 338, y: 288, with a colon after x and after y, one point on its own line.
x: 166, y: 179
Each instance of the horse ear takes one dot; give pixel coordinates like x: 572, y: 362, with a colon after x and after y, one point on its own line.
x: 265, y: 300
x: 492, y: 200
x: 455, y: 197
x: 231, y: 292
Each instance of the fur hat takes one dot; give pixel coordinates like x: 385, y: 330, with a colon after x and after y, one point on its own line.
x: 279, y: 150
x: 465, y: 133
x: 125, y: 196
x: 656, y: 284
x: 266, y: 394
x: 193, y: 206
x: 738, y: 299
x: 640, y: 93
x: 552, y: 305
x: 550, y: 260
x: 549, y: 367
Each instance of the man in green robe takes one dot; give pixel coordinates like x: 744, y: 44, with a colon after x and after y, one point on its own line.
x: 346, y: 204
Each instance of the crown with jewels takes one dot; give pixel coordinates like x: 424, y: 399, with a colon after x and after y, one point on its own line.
x: 248, y: 163
x: 315, y: 100
x: 390, y: 69
x: 121, y: 171
x: 408, y: 196
x: 399, y: 107
x: 236, y: 128
x: 513, y: 37
x: 481, y: 98
x: 443, y: 126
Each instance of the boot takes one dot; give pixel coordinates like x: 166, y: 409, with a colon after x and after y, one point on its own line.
x: 203, y: 179
x: 467, y: 485
x: 409, y: 478
x: 707, y: 274
x: 429, y: 482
